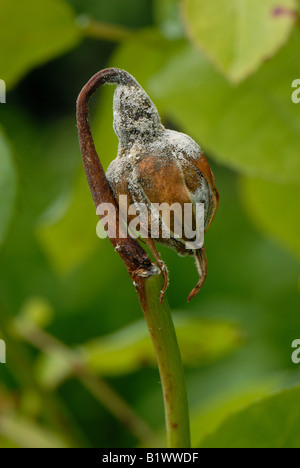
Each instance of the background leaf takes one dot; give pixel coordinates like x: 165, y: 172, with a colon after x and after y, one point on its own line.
x: 212, y: 413
x: 271, y: 423
x: 70, y: 239
x: 33, y: 32
x: 131, y: 348
x: 273, y: 209
x: 26, y: 434
x: 238, y: 36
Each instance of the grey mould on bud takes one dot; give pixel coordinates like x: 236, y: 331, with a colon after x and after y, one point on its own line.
x: 155, y: 165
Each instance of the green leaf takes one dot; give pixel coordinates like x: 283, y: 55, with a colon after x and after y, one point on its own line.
x: 254, y: 127
x: 6, y: 443
x: 130, y: 348
x: 271, y: 423
x: 274, y: 210
x: 8, y: 187
x: 28, y: 434
x: 214, y: 411
x: 33, y: 32
x: 238, y: 36
x: 67, y: 230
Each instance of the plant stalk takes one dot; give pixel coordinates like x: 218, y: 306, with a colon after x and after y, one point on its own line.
x: 106, y: 31
x: 163, y: 335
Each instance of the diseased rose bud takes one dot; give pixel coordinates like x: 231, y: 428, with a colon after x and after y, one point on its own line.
x: 155, y: 166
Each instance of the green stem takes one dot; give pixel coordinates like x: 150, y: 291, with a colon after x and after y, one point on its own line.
x: 106, y: 31
x: 116, y: 33
x: 162, y: 332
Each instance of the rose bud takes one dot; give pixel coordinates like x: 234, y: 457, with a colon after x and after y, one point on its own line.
x: 156, y: 166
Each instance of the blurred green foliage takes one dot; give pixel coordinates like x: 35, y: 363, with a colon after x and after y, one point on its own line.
x: 32, y: 33
x: 275, y: 429
x: 221, y: 71
x: 237, y: 36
